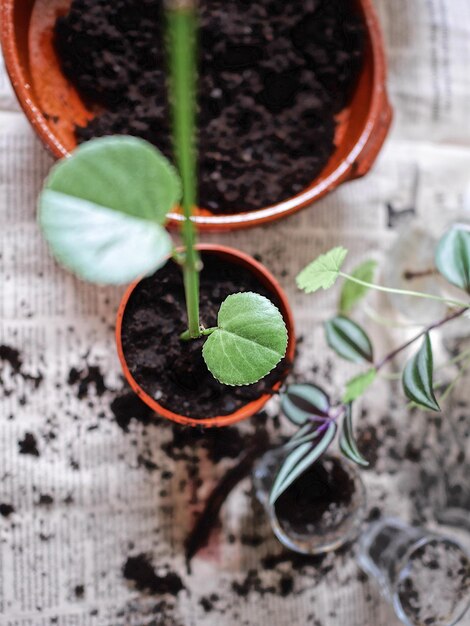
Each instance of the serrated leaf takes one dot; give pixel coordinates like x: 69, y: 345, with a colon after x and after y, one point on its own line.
x: 453, y: 256
x: 418, y: 377
x: 323, y: 271
x: 102, y: 209
x: 352, y: 292
x: 299, y: 460
x: 347, y: 443
x: 250, y: 340
x: 358, y: 385
x: 300, y: 402
x: 348, y: 340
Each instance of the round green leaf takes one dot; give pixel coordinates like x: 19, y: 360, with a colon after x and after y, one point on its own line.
x: 249, y: 341
x: 301, y: 402
x: 348, y: 340
x: 323, y: 271
x: 418, y: 377
x: 453, y: 256
x: 101, y: 245
x: 101, y: 210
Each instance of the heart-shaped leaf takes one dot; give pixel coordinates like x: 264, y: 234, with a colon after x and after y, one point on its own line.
x: 249, y: 341
x: 352, y: 292
x: 348, y: 340
x: 102, y: 209
x: 358, y: 385
x: 418, y: 377
x: 300, y: 459
x: 347, y: 442
x: 453, y: 256
x: 323, y: 271
x: 301, y: 402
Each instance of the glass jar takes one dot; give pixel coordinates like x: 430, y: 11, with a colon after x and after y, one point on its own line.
x: 322, y: 510
x: 424, y: 575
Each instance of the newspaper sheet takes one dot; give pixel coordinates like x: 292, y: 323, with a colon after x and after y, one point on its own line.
x: 87, y: 487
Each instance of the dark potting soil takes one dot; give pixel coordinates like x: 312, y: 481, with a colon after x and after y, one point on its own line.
x: 273, y: 74
x: 317, y: 501
x: 173, y: 371
x: 141, y: 572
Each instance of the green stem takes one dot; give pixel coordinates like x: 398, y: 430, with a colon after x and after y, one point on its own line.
x: 203, y: 332
x: 389, y: 357
x: 208, y: 331
x: 182, y: 61
x: 404, y: 292
x: 384, y: 321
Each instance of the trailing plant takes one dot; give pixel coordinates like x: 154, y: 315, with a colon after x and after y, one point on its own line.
x: 310, y: 408
x: 103, y: 214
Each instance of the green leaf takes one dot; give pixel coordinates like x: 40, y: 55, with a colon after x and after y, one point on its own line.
x: 352, y: 292
x: 306, y: 433
x: 347, y: 443
x: 357, y: 385
x: 453, y: 256
x: 102, y: 209
x: 300, y: 402
x: 417, y: 377
x: 249, y: 341
x: 348, y: 340
x: 299, y: 460
x: 323, y: 271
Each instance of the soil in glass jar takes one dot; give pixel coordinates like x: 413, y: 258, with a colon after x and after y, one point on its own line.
x: 273, y: 76
x: 318, y: 501
x: 435, y: 586
x: 171, y: 371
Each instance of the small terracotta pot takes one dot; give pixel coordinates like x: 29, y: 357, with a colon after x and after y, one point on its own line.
x: 54, y: 107
x: 268, y: 280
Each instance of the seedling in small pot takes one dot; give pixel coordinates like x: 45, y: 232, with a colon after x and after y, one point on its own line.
x: 103, y: 213
x: 310, y: 408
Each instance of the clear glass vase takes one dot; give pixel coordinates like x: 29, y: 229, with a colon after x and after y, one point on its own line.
x: 424, y: 575
x: 322, y: 514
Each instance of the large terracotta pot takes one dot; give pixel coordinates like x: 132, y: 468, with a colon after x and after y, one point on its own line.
x: 26, y: 35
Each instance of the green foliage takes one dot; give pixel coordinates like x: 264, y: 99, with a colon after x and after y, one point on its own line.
x: 418, y: 377
x: 453, y: 256
x: 301, y: 458
x: 359, y: 384
x: 301, y: 402
x: 323, y: 271
x: 348, y: 340
x: 347, y: 443
x: 249, y: 341
x: 102, y: 209
x: 351, y: 292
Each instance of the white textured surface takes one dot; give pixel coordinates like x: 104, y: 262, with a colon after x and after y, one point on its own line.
x: 119, y: 507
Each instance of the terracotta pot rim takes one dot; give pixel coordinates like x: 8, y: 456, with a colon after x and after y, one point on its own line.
x: 248, y: 409
x: 356, y: 163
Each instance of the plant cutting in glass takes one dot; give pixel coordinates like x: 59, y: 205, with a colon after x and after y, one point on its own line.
x: 103, y: 211
x: 310, y: 408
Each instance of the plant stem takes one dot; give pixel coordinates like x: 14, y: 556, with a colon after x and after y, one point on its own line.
x: 410, y: 275
x: 393, y: 354
x: 404, y: 292
x: 182, y: 61
x: 203, y: 332
x: 463, y: 356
